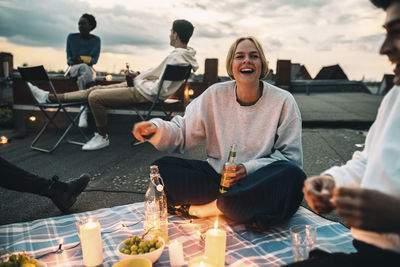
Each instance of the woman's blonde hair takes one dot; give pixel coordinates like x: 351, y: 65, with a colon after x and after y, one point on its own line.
x: 232, y: 50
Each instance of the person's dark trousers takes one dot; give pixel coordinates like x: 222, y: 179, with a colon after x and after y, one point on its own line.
x: 15, y: 178
x: 366, y: 256
x: 266, y: 197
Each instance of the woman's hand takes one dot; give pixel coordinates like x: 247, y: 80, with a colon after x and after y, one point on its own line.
x: 318, y: 192
x: 238, y: 173
x: 76, y: 60
x: 367, y: 209
x: 144, y: 130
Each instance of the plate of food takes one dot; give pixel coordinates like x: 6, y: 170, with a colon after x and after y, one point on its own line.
x: 20, y: 259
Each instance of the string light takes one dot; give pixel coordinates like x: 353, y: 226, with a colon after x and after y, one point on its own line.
x: 32, y: 118
x: 60, y: 250
x: 3, y: 140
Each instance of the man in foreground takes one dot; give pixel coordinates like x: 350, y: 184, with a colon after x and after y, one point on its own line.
x: 366, y: 190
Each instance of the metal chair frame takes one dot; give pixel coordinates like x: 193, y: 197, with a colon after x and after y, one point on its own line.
x: 171, y: 73
x: 38, y: 75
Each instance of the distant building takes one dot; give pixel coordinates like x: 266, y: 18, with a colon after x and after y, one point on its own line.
x: 299, y: 72
x: 333, y: 72
x: 270, y: 76
x: 386, y: 84
x: 287, y: 72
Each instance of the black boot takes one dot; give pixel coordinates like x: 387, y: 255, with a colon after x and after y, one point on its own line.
x: 63, y: 194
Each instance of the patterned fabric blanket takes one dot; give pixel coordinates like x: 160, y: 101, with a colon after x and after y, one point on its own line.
x: 41, y: 238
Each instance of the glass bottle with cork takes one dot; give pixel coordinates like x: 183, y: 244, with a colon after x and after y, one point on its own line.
x: 225, y: 184
x: 128, y: 76
x: 156, y: 216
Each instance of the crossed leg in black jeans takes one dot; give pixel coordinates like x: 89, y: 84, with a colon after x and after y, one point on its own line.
x: 62, y: 194
x: 266, y: 197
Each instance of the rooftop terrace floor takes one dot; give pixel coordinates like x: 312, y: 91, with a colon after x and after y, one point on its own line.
x: 119, y: 173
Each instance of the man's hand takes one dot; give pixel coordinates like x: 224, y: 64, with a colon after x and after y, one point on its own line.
x: 318, y: 191
x: 238, y: 173
x: 367, y: 209
x: 144, y: 130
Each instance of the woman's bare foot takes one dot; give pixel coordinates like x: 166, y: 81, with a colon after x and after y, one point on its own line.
x: 206, y: 210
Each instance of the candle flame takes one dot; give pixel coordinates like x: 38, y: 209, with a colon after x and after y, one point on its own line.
x: 109, y: 77
x: 191, y: 92
x: 61, y: 241
x: 201, y: 263
x: 90, y: 220
x: 32, y: 118
x: 216, y: 224
x: 3, y: 140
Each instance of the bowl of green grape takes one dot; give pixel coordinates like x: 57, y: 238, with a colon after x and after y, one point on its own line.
x: 138, y: 246
x: 20, y: 259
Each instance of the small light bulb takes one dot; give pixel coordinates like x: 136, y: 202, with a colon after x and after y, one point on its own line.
x: 109, y: 78
x: 32, y: 118
x: 3, y: 140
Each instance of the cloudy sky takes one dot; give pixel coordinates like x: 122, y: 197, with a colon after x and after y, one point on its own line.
x: 315, y: 33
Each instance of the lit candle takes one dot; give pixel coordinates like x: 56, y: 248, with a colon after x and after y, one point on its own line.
x: 200, y: 261
x: 176, y: 253
x: 215, y: 246
x: 92, y: 249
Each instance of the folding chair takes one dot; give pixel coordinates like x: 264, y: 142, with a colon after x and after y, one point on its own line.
x: 171, y: 73
x: 37, y: 75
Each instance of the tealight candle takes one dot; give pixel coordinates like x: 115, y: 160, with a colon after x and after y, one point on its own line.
x: 215, y: 246
x: 92, y: 249
x: 176, y: 254
x: 200, y: 261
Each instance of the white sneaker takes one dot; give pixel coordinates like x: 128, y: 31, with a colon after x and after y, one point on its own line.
x: 97, y: 142
x: 41, y: 96
x: 83, y: 122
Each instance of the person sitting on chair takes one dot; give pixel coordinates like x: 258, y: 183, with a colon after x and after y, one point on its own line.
x: 121, y: 95
x: 83, y: 50
x: 264, y: 123
x: 62, y: 194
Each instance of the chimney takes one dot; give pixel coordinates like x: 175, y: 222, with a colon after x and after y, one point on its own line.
x: 210, y: 71
x: 6, y: 64
x: 283, y: 68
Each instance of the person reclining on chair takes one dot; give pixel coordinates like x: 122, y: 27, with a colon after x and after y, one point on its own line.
x: 120, y: 95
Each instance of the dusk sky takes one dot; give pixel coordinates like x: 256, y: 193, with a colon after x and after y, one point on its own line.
x: 315, y: 33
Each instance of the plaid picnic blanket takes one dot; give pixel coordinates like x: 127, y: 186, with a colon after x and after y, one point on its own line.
x: 41, y: 238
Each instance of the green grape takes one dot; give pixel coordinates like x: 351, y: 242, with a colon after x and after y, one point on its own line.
x: 159, y: 244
